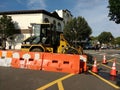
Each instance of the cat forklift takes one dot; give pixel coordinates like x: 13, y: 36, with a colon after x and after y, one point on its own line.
x: 47, y: 39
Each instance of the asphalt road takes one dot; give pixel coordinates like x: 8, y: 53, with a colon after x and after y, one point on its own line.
x: 20, y: 79
x: 24, y: 79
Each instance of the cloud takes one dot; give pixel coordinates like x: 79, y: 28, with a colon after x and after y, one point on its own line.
x: 89, y: 9
x: 33, y: 4
x: 36, y: 4
x: 89, y: 4
x: 96, y: 14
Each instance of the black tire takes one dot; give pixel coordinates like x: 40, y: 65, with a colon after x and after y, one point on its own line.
x: 36, y: 50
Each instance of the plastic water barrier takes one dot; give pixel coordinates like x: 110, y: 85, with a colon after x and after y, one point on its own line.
x: 27, y: 60
x: 66, y: 63
x: 5, y: 58
x: 61, y: 63
x: 83, y: 63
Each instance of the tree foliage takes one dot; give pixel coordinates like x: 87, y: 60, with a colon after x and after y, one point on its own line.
x: 77, y: 29
x: 117, y: 40
x: 7, y: 28
x: 114, y: 10
x: 105, y: 37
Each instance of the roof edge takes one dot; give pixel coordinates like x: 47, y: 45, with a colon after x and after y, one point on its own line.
x: 29, y: 12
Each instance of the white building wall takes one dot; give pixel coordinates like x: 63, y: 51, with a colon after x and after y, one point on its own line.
x: 24, y: 20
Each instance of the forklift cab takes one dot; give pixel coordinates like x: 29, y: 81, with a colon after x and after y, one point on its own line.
x: 46, y: 34
x: 43, y: 32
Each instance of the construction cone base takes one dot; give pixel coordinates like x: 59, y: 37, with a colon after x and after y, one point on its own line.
x: 113, y: 71
x: 95, y: 70
x: 104, y: 62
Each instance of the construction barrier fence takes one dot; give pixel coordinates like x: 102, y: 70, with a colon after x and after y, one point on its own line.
x: 66, y: 63
x: 5, y: 58
x: 61, y: 63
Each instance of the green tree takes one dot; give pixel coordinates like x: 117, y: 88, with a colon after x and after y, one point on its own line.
x: 117, y: 40
x: 7, y: 28
x: 105, y: 37
x: 77, y: 29
x: 93, y: 38
x: 114, y: 10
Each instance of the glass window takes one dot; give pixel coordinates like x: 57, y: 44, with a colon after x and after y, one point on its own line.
x: 36, y: 29
x: 36, y: 40
x: 59, y: 26
x: 46, y: 20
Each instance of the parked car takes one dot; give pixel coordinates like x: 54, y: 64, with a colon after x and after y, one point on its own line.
x: 88, y: 47
x: 104, y: 46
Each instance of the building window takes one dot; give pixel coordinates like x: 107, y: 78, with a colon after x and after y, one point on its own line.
x: 59, y: 26
x: 67, y: 15
x: 46, y: 20
x: 54, y: 24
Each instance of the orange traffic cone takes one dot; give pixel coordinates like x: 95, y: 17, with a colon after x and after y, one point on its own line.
x: 94, y: 68
x: 113, y: 71
x: 104, y: 61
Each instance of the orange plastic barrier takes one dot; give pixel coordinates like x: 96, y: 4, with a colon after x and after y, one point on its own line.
x: 0, y: 53
x: 35, y: 62
x: 27, y: 60
x: 5, y: 58
x: 5, y: 54
x: 17, y: 61
x: 83, y: 63
x: 66, y: 63
x: 61, y: 63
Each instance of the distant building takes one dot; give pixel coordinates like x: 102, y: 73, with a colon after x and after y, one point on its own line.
x: 24, y: 18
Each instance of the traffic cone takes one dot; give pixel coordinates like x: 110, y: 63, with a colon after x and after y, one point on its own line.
x: 104, y: 61
x: 94, y: 68
x: 113, y: 71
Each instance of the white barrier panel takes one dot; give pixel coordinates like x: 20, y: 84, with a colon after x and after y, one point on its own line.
x: 5, y: 58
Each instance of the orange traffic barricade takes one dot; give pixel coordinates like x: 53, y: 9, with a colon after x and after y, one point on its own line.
x: 66, y: 63
x: 19, y: 59
x: 5, y: 58
x: 83, y: 63
x: 27, y: 60
x: 35, y: 62
x: 16, y: 59
x: 5, y: 54
x: 0, y: 53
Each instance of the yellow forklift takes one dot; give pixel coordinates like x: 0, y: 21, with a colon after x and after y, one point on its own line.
x: 46, y: 39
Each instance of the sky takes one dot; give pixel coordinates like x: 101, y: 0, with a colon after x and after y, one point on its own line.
x: 95, y: 12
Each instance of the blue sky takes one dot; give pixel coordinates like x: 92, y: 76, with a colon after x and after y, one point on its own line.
x: 94, y: 11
